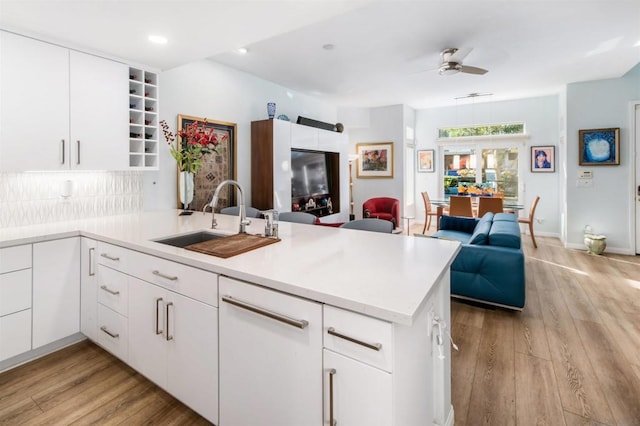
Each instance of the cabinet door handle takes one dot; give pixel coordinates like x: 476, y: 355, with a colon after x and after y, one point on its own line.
x: 108, y: 290
x: 105, y: 255
x: 332, y: 420
x: 269, y: 314
x: 61, y: 151
x: 158, y: 300
x: 113, y: 335
x: 161, y: 275
x: 78, y: 152
x: 92, y: 271
x: 375, y: 346
x: 169, y: 336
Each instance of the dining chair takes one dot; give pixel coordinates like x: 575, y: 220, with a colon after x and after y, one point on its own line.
x: 374, y: 225
x: 489, y: 204
x: 529, y: 220
x: 429, y: 211
x: 460, y: 206
x: 234, y: 210
x: 297, y: 217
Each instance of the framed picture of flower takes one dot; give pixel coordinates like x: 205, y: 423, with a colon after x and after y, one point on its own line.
x: 599, y: 147
x: 375, y: 160
x: 216, y: 166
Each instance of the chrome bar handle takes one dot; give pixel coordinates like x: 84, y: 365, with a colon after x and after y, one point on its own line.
x: 269, y: 314
x: 105, y: 255
x: 108, y: 290
x: 78, y: 152
x: 169, y: 337
x: 61, y: 151
x: 158, y: 300
x: 113, y: 335
x: 332, y: 420
x: 92, y: 272
x: 167, y: 277
x: 375, y: 346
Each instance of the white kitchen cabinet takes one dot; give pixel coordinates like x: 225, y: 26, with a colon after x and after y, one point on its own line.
x: 270, y: 357
x: 99, y: 115
x: 56, y: 290
x: 15, y: 300
x: 55, y: 102
x: 173, y: 341
x: 382, y: 373
x: 88, y: 289
x: 356, y: 393
x: 34, y: 104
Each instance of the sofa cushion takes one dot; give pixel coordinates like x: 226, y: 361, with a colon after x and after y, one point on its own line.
x: 461, y: 224
x: 446, y: 234
x: 509, y: 217
x: 480, y: 234
x: 505, y: 233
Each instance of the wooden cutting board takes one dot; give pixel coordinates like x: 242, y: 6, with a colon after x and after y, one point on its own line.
x: 232, y: 245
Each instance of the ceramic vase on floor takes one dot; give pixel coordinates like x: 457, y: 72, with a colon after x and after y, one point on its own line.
x: 186, y: 189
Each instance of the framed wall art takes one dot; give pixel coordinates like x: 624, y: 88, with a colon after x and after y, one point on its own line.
x: 375, y: 160
x: 599, y: 147
x: 426, y: 160
x: 217, y: 167
x: 543, y: 159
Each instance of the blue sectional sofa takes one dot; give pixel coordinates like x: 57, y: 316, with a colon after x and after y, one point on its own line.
x: 490, y: 265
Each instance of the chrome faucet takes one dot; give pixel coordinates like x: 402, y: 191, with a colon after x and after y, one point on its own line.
x: 242, y: 211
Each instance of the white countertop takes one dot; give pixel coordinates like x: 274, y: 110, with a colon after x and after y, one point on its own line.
x: 382, y: 275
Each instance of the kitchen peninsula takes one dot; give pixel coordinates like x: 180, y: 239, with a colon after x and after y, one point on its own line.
x: 326, y: 324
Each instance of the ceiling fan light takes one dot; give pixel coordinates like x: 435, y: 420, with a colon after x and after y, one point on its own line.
x: 449, y: 68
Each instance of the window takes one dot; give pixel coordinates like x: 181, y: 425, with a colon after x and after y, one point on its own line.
x: 484, y: 130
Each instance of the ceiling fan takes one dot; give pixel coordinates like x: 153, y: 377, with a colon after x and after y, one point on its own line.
x: 453, y: 65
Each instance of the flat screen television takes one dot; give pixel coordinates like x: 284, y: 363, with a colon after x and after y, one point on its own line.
x: 310, y: 173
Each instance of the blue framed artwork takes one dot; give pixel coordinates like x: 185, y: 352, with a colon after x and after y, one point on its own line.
x: 599, y: 147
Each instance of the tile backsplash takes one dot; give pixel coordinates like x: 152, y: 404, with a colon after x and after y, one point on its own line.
x: 36, y: 197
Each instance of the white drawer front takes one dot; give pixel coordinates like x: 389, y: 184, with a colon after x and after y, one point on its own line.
x: 191, y: 282
x: 113, y: 332
x: 113, y: 289
x: 15, y: 291
x: 115, y: 257
x: 15, y: 334
x: 350, y: 332
x: 15, y: 258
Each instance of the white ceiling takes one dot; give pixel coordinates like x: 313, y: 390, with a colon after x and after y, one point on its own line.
x: 386, y: 51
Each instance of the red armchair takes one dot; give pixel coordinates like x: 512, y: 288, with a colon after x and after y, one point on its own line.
x: 382, y: 208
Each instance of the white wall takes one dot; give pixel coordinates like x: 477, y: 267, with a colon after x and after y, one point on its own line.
x: 608, y: 206
x: 385, y: 125
x: 210, y: 90
x: 540, y: 116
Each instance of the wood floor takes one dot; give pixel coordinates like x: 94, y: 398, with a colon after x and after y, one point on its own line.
x: 571, y: 357
x: 82, y: 385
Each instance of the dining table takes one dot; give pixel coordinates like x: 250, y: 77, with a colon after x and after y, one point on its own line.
x: 508, y: 206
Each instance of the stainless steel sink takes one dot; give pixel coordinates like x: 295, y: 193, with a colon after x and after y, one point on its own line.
x: 184, y: 240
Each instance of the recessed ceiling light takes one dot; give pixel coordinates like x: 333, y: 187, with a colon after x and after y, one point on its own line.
x: 242, y: 50
x: 158, y: 39
x: 328, y: 46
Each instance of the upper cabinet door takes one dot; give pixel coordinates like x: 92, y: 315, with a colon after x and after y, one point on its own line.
x: 99, y: 113
x: 34, y: 104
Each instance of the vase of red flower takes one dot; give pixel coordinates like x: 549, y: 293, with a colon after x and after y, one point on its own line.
x: 189, y: 146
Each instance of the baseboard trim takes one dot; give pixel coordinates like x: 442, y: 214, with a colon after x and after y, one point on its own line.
x: 450, y: 419
x: 614, y: 250
x: 29, y: 356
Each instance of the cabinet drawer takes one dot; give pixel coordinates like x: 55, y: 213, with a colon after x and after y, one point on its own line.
x: 113, y: 289
x: 186, y: 280
x: 15, y: 334
x: 15, y: 258
x: 15, y: 291
x: 115, y: 257
x: 351, y: 334
x: 113, y: 332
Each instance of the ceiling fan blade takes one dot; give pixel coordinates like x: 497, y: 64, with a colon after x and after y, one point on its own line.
x: 472, y: 70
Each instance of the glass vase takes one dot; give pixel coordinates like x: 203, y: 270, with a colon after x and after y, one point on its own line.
x: 186, y: 191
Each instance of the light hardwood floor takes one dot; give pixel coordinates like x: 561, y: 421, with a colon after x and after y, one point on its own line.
x: 571, y: 357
